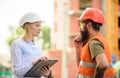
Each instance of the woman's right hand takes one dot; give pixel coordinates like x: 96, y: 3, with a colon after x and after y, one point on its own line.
x: 41, y: 58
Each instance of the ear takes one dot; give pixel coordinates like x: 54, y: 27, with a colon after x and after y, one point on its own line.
x: 89, y: 25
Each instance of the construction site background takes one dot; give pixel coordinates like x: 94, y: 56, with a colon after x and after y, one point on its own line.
x: 65, y: 28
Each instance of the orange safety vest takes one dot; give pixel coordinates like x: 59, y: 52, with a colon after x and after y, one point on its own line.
x: 87, y: 64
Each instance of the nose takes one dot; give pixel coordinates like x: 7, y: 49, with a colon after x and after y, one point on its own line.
x: 40, y: 28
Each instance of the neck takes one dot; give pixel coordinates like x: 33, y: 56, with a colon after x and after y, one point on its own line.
x: 28, y: 38
x: 93, y: 33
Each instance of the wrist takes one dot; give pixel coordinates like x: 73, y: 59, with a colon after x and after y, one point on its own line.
x: 45, y: 75
x: 78, y: 46
x: 99, y: 72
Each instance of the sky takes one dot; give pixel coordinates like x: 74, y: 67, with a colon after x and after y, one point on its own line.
x: 12, y: 10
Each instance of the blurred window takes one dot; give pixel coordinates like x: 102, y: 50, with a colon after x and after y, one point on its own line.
x: 84, y: 4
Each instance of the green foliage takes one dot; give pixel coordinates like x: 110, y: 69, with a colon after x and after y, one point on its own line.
x: 15, y: 33
x: 45, y: 35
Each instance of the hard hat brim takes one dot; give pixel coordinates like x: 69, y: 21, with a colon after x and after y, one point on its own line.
x: 79, y: 20
x: 21, y: 26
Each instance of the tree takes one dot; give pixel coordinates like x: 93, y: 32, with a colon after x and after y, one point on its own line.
x: 45, y: 35
x: 15, y: 33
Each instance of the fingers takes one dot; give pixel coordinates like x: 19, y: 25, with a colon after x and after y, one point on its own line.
x: 77, y: 41
x: 43, y: 58
x: 46, y: 70
x: 77, y: 38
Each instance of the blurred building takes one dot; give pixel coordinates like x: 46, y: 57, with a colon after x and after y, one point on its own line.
x: 66, y: 28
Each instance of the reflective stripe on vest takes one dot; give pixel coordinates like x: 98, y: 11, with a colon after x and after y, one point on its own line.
x: 81, y: 76
x: 92, y: 65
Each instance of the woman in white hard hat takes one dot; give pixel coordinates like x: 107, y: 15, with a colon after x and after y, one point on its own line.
x: 25, y: 51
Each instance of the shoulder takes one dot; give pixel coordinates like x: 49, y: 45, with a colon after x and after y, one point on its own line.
x: 95, y: 48
x: 16, y: 42
x: 95, y: 42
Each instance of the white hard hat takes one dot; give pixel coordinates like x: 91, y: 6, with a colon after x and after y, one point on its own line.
x: 29, y: 17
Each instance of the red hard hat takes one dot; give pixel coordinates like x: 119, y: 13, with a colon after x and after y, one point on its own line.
x: 94, y: 14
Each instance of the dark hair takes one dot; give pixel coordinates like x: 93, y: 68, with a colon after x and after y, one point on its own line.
x: 96, y: 26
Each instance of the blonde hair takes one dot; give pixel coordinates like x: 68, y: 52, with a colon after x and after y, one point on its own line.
x: 27, y: 34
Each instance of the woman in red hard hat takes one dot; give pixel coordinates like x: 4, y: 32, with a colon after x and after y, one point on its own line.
x: 92, y: 50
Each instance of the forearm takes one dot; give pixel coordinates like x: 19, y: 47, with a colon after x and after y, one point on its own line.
x: 99, y: 73
x: 78, y: 56
x: 101, y: 66
x: 21, y: 70
x: 78, y: 46
x: 50, y: 75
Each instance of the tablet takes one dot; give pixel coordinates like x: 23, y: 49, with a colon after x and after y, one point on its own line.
x: 35, y: 71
